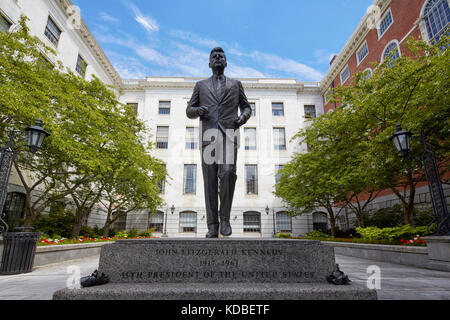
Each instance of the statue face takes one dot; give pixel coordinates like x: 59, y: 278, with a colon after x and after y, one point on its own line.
x: 217, y: 60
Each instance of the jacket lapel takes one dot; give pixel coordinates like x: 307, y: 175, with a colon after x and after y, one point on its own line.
x: 210, y: 86
x: 226, y: 90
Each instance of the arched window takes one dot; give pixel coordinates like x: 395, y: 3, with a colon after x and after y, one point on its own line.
x: 157, y: 222
x: 437, y: 17
x: 188, y: 222
x: 391, y: 51
x: 320, y: 221
x: 367, y: 74
x: 252, y: 222
x: 14, y: 208
x: 284, y: 222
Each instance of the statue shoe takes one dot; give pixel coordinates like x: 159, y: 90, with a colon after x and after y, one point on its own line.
x: 213, y: 231
x: 225, y: 228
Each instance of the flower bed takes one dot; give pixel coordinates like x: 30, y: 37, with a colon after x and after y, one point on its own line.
x: 415, y: 242
x: 53, y: 242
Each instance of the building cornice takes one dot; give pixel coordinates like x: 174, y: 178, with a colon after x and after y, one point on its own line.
x: 87, y: 37
x: 189, y: 83
x: 350, y: 47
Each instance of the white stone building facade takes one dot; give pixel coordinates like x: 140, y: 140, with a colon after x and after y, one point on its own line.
x: 281, y: 107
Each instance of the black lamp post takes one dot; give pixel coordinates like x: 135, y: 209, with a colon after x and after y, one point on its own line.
x: 172, y: 210
x: 36, y: 136
x: 274, y: 234
x: 401, y: 140
x: 19, y: 247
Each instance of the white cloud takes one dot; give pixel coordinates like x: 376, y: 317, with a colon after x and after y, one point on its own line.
x: 108, y: 18
x: 145, y: 21
x: 235, y: 71
x: 194, y: 38
x: 290, y: 66
x: 148, y: 23
x: 322, y: 56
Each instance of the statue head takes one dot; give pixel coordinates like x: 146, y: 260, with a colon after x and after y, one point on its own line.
x: 217, y: 59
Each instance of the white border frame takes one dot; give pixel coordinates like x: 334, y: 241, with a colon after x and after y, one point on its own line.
x: 349, y: 75
x: 388, y: 44
x: 382, y: 18
x: 358, y: 62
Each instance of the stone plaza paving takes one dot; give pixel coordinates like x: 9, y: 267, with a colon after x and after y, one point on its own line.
x: 398, y: 282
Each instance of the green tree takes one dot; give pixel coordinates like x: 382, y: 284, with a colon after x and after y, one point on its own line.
x: 413, y: 91
x: 93, y: 136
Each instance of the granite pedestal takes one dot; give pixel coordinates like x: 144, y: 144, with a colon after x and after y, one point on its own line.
x: 217, y: 269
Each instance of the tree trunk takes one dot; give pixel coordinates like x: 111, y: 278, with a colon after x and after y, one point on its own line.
x: 332, y: 222
x: 77, y: 225
x: 106, y: 227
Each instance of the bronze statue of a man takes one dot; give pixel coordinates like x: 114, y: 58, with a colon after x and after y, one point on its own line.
x: 217, y: 101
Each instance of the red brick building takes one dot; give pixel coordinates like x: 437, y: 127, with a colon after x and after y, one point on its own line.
x: 386, y: 26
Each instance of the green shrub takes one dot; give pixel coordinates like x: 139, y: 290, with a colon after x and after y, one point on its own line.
x: 147, y: 233
x: 317, y: 235
x: 58, y: 222
x: 385, y: 218
x: 391, y: 234
x: 121, y: 234
x: 89, y: 232
x: 133, y: 233
x: 284, y: 236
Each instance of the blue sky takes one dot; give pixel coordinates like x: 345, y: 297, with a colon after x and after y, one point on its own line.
x: 262, y: 38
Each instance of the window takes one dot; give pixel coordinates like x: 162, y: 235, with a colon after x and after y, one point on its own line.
x: 162, y: 184
x: 367, y: 74
x: 252, y: 222
x: 52, y: 32
x: 81, y: 66
x: 345, y: 74
x: 362, y: 53
x: 310, y: 111
x: 277, y: 173
x: 4, y: 24
x: 385, y: 23
x: 14, y: 208
x: 134, y: 105
x: 283, y: 222
x: 437, y: 18
x: 320, y: 221
x: 162, y: 137
x: 279, y: 138
x: 278, y: 109
x: 188, y: 221
x: 253, y: 107
x: 392, y: 51
x: 251, y: 177
x: 157, y: 222
x: 190, y: 178
x: 250, y: 138
x: 192, y: 138
x: 164, y: 107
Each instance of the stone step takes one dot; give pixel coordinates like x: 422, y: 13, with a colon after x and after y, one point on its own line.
x: 223, y: 292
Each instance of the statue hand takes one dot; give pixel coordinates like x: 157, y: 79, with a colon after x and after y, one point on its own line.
x: 240, y: 121
x: 202, y: 110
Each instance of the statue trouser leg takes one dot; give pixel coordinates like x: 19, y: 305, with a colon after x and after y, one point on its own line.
x: 227, y: 178
x: 210, y: 183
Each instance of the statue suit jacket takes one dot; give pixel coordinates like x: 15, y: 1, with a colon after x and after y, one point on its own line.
x: 223, y: 110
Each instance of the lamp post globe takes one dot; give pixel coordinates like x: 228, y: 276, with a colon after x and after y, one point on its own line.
x: 401, y: 140
x: 36, y: 135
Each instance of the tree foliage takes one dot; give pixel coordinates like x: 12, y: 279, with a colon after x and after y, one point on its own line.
x: 351, y: 159
x: 94, y: 138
